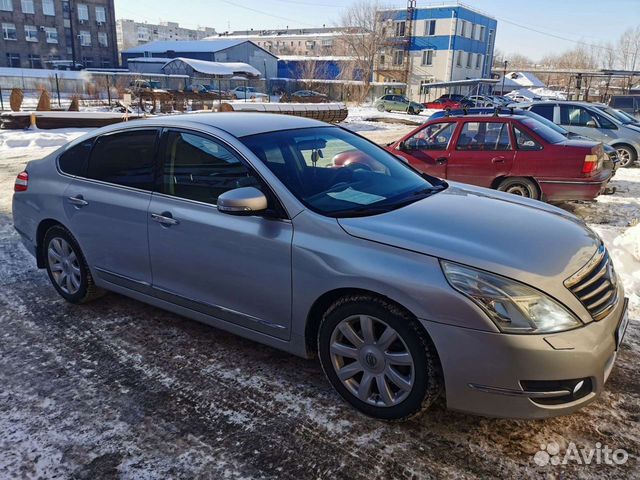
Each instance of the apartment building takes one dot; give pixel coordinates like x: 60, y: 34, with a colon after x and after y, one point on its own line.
x: 58, y: 33
x: 435, y: 44
x: 311, y: 42
x: 130, y: 33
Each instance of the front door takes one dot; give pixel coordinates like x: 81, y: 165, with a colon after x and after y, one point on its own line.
x: 427, y: 149
x: 233, y: 268
x: 483, y: 151
x: 106, y: 206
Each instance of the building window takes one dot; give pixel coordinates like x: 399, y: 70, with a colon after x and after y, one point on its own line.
x: 479, y: 61
x: 85, y: 38
x: 399, y: 29
x: 102, y: 39
x: 101, y: 15
x: 382, y: 59
x: 34, y: 61
x: 463, y: 28
x: 52, y: 34
x: 398, y: 57
x: 13, y: 60
x: 87, y: 62
x: 430, y: 28
x: 31, y: 33
x: 143, y: 34
x: 9, y: 31
x: 7, y: 6
x: 459, y: 59
x: 83, y: 12
x: 474, y: 30
x: 105, y: 63
x: 48, y: 8
x: 427, y: 57
x: 469, y: 59
x: 482, y: 30
x: 27, y: 6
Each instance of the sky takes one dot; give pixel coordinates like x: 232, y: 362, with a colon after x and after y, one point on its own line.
x: 528, y: 27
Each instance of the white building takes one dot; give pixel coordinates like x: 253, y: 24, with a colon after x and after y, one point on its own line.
x: 130, y: 33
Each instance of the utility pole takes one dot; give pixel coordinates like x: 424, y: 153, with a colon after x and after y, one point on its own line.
x: 504, y: 75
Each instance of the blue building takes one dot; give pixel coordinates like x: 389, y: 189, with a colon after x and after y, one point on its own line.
x: 435, y: 44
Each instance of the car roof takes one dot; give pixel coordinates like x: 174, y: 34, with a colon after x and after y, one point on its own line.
x: 238, y: 124
x: 484, y: 116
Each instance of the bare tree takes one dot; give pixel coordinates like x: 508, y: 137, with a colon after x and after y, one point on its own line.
x: 364, y: 36
x: 629, y: 48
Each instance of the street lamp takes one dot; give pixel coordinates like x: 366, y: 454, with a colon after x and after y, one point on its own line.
x: 504, y: 75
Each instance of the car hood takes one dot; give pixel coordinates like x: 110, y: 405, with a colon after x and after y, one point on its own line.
x: 520, y: 238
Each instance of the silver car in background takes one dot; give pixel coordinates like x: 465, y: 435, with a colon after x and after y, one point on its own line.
x: 312, y: 239
x: 592, y: 121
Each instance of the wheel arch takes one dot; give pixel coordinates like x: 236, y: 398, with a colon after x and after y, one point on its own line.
x: 42, y: 229
x: 629, y: 146
x: 322, y: 303
x: 498, y: 180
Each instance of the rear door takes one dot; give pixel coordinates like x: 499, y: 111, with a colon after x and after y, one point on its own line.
x: 483, y: 151
x: 577, y: 119
x: 107, y: 206
x: 428, y: 149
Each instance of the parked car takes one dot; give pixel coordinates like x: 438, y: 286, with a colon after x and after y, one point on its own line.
x: 441, y: 104
x: 519, y: 98
x: 400, y: 282
x: 619, y: 115
x: 585, y: 119
x: 309, y: 96
x: 145, y: 86
x: 456, y: 97
x: 197, y: 88
x: 611, y: 162
x: 247, y: 93
x: 482, y: 101
x: 514, y: 154
x: 629, y: 118
x: 397, y: 103
x: 627, y: 103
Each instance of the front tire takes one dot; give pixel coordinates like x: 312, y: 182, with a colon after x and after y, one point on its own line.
x: 380, y: 108
x: 67, y: 267
x: 522, y: 187
x: 378, y: 358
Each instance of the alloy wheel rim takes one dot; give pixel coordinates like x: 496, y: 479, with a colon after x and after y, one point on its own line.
x: 64, y: 265
x: 624, y: 156
x: 372, y: 361
x: 520, y: 190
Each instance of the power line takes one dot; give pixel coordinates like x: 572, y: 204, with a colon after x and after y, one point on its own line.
x: 313, y: 4
x: 267, y: 14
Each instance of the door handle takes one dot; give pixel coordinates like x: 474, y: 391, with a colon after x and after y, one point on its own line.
x: 497, y: 160
x: 441, y: 160
x: 77, y: 201
x: 164, y: 219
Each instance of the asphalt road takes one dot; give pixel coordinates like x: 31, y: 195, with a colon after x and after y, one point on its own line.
x: 118, y: 389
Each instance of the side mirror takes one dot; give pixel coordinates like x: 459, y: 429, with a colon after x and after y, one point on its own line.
x: 592, y: 124
x: 242, y: 201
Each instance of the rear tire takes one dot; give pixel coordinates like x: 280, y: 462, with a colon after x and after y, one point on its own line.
x: 411, y: 111
x: 520, y: 186
x: 626, y: 155
x: 67, y: 267
x: 384, y: 365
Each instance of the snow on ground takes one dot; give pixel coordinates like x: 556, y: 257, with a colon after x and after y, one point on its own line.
x: 120, y: 389
x: 382, y: 127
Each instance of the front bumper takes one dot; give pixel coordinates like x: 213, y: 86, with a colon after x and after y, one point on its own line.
x: 483, y: 370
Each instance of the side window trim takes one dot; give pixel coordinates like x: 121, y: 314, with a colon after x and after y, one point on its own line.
x: 280, y: 211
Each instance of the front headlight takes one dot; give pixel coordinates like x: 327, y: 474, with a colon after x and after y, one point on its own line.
x: 513, y: 306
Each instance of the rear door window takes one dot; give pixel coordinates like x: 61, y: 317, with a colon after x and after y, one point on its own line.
x: 575, y: 116
x: 74, y: 161
x: 545, y: 111
x: 478, y: 136
x: 125, y: 158
x: 524, y: 141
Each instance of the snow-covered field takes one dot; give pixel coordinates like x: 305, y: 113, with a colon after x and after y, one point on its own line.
x: 120, y: 389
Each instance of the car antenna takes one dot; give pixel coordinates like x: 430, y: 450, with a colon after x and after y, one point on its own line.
x: 464, y: 110
x: 512, y: 110
x: 447, y: 112
x: 496, y: 111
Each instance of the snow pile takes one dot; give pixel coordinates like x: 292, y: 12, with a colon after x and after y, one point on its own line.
x: 18, y: 143
x: 625, y: 250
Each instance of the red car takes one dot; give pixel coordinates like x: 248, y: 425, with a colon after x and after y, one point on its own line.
x: 514, y: 153
x: 442, y: 103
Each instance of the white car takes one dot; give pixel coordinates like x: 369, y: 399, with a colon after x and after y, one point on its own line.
x: 247, y: 93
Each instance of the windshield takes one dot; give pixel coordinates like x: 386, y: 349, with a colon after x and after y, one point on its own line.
x: 542, y: 130
x: 624, y: 119
x: 337, y: 173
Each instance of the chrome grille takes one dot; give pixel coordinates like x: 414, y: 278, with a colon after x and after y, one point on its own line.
x: 595, y: 285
